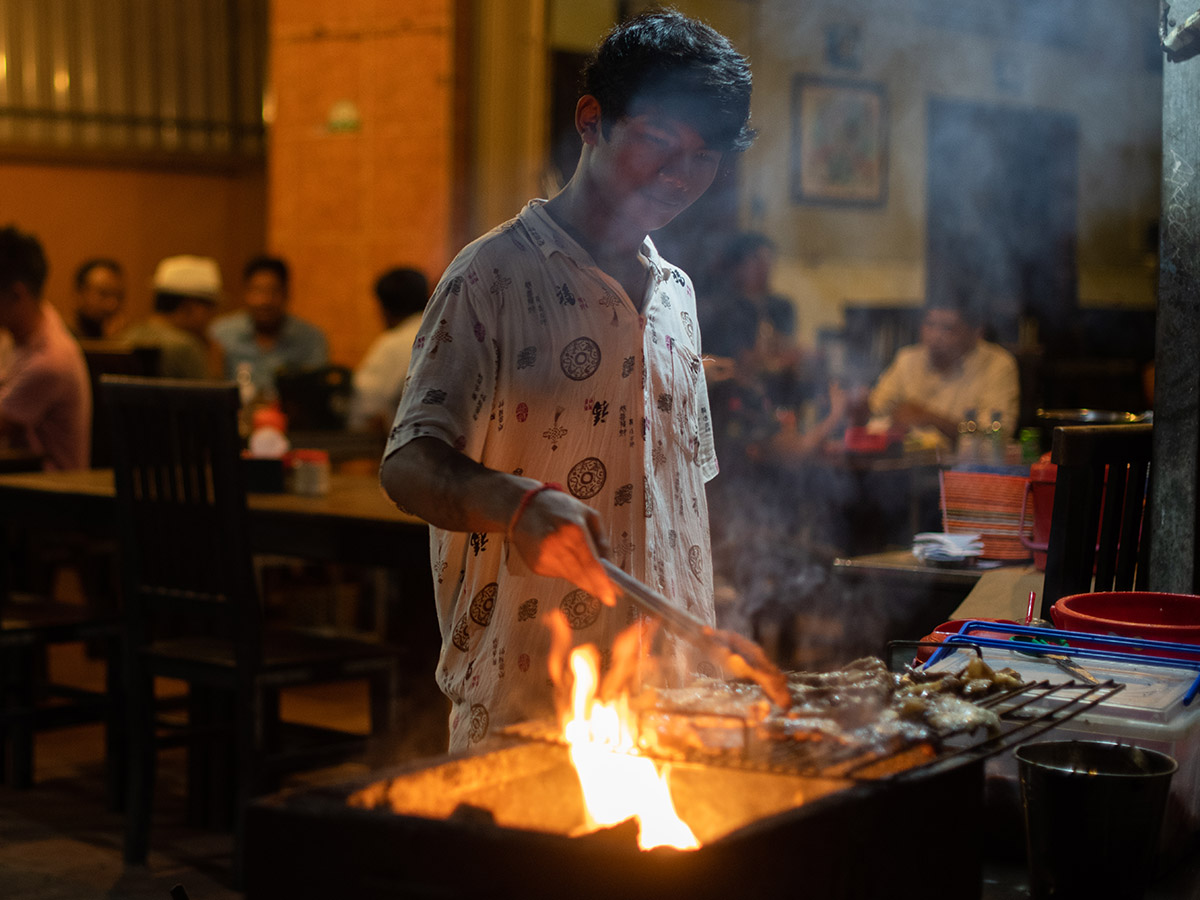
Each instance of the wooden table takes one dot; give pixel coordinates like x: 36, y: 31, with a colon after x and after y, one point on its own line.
x: 1002, y: 594
x: 917, y: 597
x: 355, y: 524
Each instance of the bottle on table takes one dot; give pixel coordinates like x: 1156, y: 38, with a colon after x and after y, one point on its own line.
x: 997, y: 439
x: 968, y: 438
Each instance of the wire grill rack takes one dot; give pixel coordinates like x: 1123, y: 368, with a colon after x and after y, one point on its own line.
x: 1023, y: 713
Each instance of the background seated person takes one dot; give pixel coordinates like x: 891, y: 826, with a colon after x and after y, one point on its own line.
x: 45, y: 391
x: 99, y: 294
x: 186, y: 291
x: 766, y: 498
x: 931, y: 386
x: 740, y: 318
x: 264, y: 337
x: 379, y: 378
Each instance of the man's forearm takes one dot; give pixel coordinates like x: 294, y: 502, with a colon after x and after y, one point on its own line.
x: 432, y: 480
x: 555, y: 534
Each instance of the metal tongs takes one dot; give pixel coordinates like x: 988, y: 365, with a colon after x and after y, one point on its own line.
x: 740, y: 655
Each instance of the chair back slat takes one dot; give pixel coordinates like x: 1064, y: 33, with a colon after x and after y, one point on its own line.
x: 1132, y: 515
x: 1099, y: 530
x: 181, y: 503
x: 1108, y: 542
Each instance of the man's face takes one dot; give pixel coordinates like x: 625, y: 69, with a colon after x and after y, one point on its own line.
x: 947, y: 337
x: 195, y: 314
x: 652, y: 167
x: 102, y: 294
x: 266, y: 300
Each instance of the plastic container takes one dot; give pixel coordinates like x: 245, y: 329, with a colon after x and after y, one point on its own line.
x: 859, y: 440
x: 986, y: 504
x: 1156, y: 711
x: 1137, y: 614
x: 954, y: 626
x: 310, y: 472
x: 1039, y: 499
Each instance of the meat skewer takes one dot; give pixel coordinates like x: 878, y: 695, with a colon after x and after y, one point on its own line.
x: 740, y: 655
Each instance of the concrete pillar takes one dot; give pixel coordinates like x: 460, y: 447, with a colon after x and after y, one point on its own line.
x: 1177, y: 367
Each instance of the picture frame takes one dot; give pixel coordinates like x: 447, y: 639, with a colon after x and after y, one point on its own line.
x: 839, y: 142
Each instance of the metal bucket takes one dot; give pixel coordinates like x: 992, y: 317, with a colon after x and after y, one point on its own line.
x: 1093, y: 816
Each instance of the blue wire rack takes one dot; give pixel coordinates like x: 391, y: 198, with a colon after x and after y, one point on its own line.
x: 1050, y: 641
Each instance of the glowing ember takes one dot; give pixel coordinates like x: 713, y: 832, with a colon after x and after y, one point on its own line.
x: 617, y: 784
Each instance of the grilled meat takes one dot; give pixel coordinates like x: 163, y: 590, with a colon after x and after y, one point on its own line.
x: 862, y: 707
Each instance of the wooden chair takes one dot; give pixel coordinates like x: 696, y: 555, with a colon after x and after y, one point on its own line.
x: 32, y: 700
x: 112, y: 358
x: 195, y: 615
x: 32, y: 622
x: 1099, y: 531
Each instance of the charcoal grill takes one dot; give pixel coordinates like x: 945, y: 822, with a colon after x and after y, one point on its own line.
x: 774, y: 821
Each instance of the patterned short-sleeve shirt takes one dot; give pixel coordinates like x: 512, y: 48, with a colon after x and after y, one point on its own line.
x: 532, y: 360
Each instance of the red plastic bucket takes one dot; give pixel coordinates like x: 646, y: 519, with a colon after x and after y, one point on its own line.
x: 953, y: 627
x: 1039, y: 489
x: 1148, y: 615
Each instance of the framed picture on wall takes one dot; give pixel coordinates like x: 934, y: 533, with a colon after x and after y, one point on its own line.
x: 839, y: 142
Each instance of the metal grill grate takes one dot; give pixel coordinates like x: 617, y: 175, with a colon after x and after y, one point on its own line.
x: 1024, y: 713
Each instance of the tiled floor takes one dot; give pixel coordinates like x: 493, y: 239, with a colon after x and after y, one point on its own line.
x: 60, y: 841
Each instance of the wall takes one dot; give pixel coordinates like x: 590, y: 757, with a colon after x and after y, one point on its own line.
x: 831, y: 255
x: 135, y: 215
x: 348, y: 198
x: 1102, y: 73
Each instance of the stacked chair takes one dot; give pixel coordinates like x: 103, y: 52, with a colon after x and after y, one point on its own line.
x: 194, y: 614
x: 1100, y: 529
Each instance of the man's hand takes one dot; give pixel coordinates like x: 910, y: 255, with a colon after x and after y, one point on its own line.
x: 560, y: 537
x: 718, y: 369
x: 555, y: 534
x: 911, y: 415
x: 914, y: 415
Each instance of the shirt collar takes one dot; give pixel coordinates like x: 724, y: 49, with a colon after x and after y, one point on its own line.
x: 550, y: 237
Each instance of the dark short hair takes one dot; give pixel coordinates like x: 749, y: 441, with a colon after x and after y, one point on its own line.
x: 100, y: 262
x: 272, y: 264
x: 968, y: 306
x: 743, y: 245
x: 402, y: 292
x: 688, y: 69
x: 22, y: 260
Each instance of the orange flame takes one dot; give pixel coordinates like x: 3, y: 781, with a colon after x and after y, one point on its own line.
x: 617, y: 783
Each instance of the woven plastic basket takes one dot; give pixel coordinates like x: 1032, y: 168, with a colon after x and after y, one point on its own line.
x: 990, y: 505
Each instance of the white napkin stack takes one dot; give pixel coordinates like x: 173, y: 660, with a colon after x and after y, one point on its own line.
x: 936, y: 546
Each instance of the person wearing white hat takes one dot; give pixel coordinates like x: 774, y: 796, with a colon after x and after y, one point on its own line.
x: 186, y: 292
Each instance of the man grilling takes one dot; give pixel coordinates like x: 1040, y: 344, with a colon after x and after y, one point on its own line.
x: 556, y: 411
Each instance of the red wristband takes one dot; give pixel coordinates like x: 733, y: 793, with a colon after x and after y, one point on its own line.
x: 526, y: 499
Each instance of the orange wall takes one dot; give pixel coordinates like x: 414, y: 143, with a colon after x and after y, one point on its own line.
x: 345, y: 205
x: 137, y: 216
